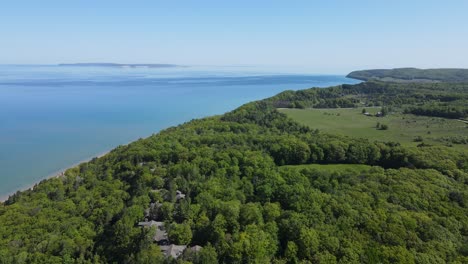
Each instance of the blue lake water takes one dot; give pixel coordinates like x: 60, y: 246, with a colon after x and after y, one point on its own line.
x: 52, y: 117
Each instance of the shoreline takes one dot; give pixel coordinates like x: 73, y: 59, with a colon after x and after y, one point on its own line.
x: 56, y: 174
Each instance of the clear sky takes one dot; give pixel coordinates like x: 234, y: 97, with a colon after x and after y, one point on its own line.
x: 325, y: 36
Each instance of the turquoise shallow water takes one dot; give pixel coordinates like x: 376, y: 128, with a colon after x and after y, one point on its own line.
x: 52, y: 117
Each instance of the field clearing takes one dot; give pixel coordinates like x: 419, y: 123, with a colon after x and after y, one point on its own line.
x: 402, y: 128
x: 331, y: 167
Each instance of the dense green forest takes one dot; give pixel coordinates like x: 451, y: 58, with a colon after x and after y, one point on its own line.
x: 412, y: 75
x: 250, y: 196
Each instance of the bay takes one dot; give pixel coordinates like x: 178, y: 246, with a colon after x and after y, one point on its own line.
x: 52, y: 117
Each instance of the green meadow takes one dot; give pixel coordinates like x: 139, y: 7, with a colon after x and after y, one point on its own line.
x: 403, y: 128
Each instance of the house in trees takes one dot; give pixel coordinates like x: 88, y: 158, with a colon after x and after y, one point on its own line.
x: 160, y: 235
x: 173, y: 250
x: 151, y: 223
x: 179, y: 195
x: 151, y: 208
x: 176, y: 251
x: 195, y: 248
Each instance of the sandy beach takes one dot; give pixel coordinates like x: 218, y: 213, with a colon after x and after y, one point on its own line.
x: 58, y: 173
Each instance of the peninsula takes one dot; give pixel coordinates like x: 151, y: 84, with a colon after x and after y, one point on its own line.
x: 107, y: 64
x: 412, y: 75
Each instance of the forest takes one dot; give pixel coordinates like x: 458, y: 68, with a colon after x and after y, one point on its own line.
x: 412, y: 75
x: 249, y: 195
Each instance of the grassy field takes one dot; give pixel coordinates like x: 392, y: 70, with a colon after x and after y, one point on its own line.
x: 331, y: 167
x: 402, y: 128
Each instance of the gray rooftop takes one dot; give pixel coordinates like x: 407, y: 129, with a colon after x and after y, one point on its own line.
x: 173, y: 250
x: 151, y: 223
x: 179, y: 195
x: 196, y: 248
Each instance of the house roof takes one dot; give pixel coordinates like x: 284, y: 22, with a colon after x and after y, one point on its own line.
x: 160, y: 232
x: 179, y: 195
x: 152, y: 207
x: 173, y: 250
x: 160, y: 235
x: 196, y: 248
x: 151, y: 223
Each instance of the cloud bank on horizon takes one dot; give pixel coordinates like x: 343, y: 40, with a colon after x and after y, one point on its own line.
x: 328, y: 37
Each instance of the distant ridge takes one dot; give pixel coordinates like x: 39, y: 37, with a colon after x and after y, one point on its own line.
x: 108, y: 64
x: 412, y: 75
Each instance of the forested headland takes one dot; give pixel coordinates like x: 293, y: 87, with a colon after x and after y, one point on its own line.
x: 412, y: 75
x: 247, y: 187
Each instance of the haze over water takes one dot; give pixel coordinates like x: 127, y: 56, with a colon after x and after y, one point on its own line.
x: 53, y: 117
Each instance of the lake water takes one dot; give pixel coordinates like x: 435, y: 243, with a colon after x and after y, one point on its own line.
x: 52, y: 117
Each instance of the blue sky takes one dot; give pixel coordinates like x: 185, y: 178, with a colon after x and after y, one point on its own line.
x: 324, y: 36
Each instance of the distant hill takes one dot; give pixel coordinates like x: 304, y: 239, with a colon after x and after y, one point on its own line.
x: 412, y: 75
x: 107, y: 64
